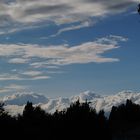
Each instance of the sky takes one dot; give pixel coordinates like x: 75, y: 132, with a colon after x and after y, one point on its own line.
x: 64, y: 47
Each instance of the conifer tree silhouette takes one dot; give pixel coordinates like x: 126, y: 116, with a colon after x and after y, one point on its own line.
x: 79, y: 121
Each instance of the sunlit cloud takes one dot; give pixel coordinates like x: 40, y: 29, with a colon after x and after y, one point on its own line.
x: 36, y: 57
x: 88, y: 52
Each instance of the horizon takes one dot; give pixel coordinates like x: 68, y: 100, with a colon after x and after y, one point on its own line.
x: 60, y: 49
x: 78, y: 94
x: 14, y: 104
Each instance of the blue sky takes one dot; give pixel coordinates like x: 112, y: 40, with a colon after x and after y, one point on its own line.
x: 62, y: 49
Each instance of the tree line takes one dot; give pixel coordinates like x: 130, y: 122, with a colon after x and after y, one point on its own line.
x: 79, y: 121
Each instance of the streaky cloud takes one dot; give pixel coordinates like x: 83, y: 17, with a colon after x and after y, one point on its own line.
x: 17, y: 15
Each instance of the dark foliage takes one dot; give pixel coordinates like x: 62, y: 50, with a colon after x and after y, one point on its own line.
x: 124, y: 121
x: 79, y: 121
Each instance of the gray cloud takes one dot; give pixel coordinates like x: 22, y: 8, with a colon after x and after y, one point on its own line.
x: 120, y: 6
x: 47, y: 9
x: 113, y: 6
x: 65, y: 11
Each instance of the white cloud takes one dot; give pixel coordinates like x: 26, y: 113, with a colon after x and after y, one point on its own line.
x: 112, y: 39
x: 63, y: 54
x: 4, y: 90
x: 16, y: 87
x: 18, y: 60
x: 27, y: 12
x: 41, y: 77
x: 74, y: 27
x: 12, y: 88
x: 6, y: 76
x: 43, y: 65
x: 20, y: 77
x: 52, y: 57
x: 32, y: 73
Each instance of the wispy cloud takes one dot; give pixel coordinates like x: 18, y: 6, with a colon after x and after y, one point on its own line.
x: 53, y: 57
x: 111, y: 39
x: 18, y: 60
x: 21, y: 13
x: 7, y: 76
x: 12, y: 88
x: 32, y: 73
x: 63, y: 54
x: 35, y: 75
x: 40, y: 77
x: 43, y: 64
x: 84, y: 24
x: 20, y: 77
